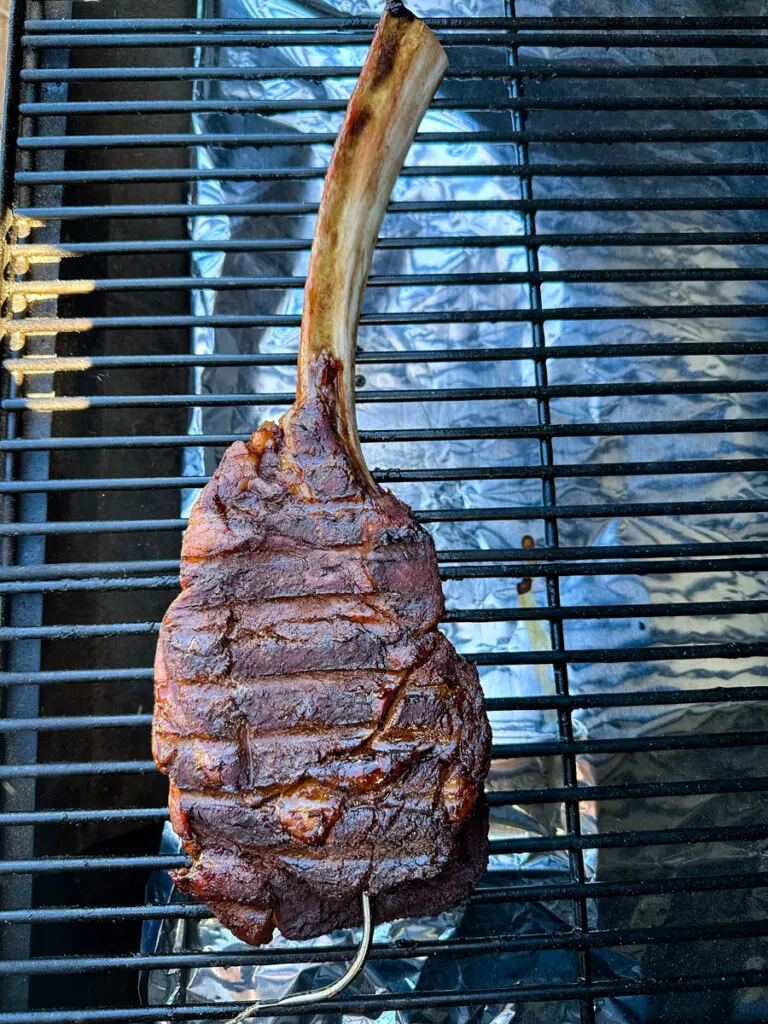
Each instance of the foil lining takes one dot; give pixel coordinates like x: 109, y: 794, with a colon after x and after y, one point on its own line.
x: 420, y: 976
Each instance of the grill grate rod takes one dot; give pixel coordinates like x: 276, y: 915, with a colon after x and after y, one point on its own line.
x: 533, y: 844
x: 505, y: 571
x: 593, y: 136
x: 670, y: 426
x: 29, y: 365
x: 497, y: 798
x: 593, y: 204
x: 419, y: 280
x: 345, y: 23
x: 581, y: 612
x: 501, y: 751
x: 538, y: 391
x: 450, y: 947
x: 536, y: 70
x: 553, y: 170
x: 584, y: 794
x: 254, y: 38
x: 593, y: 656
x: 376, y: 1004
x: 31, y: 326
x: 711, y: 695
x: 454, y: 515
x: 553, y: 472
x: 523, y: 894
x: 557, y: 240
x: 586, y: 103
x: 75, y: 570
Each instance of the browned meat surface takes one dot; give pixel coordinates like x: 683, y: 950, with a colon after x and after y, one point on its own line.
x: 321, y: 736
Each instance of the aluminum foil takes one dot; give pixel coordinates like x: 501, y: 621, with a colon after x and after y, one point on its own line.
x: 420, y: 975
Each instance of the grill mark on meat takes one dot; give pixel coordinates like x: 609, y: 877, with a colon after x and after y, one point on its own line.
x: 275, y: 704
x: 246, y: 751
x: 376, y: 731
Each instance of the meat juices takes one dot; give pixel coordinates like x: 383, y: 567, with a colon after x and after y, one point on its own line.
x: 321, y: 736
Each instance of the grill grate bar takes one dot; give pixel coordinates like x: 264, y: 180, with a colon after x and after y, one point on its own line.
x: 455, y: 515
x: 29, y: 365
x: 593, y: 136
x: 345, y: 23
x: 553, y: 170
x: 710, y: 695
x: 627, y: 791
x: 500, y: 751
x: 694, y: 741
x: 584, y: 794
x: 586, y: 103
x: 449, y: 947
x: 585, y: 612
x: 507, y: 36
x: 79, y: 817
x: 564, y: 613
x: 74, y: 722
x: 522, y: 894
x: 532, y: 844
x: 71, y: 572
x: 551, y: 534
x: 623, y: 655
x: 536, y: 70
x: 538, y: 391
x: 574, y: 656
x: 171, y: 582
x: 566, y: 204
x: 77, y: 676
x: 30, y: 326
x: 648, y: 698
x: 377, y: 1004
x: 496, y: 798
x: 557, y: 240
x: 627, y: 429
x: 413, y: 280
x: 75, y: 570
x: 552, y: 472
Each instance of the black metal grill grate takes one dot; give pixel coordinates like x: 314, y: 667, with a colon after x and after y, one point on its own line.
x: 96, y: 150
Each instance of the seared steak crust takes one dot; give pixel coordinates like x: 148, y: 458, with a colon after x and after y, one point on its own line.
x: 321, y: 736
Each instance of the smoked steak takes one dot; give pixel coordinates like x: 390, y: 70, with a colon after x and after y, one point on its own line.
x: 321, y: 736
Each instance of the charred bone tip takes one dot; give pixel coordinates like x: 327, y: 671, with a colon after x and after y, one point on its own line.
x: 398, y: 10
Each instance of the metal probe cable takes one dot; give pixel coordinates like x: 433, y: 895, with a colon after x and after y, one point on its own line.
x: 330, y: 990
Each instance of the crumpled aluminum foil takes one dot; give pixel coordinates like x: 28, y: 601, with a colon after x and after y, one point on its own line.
x: 420, y: 975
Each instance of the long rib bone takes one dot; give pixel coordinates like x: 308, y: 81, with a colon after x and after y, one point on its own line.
x: 402, y: 71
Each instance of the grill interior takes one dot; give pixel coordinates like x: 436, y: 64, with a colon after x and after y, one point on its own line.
x: 624, y: 339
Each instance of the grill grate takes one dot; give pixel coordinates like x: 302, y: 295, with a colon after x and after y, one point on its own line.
x: 97, y: 164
